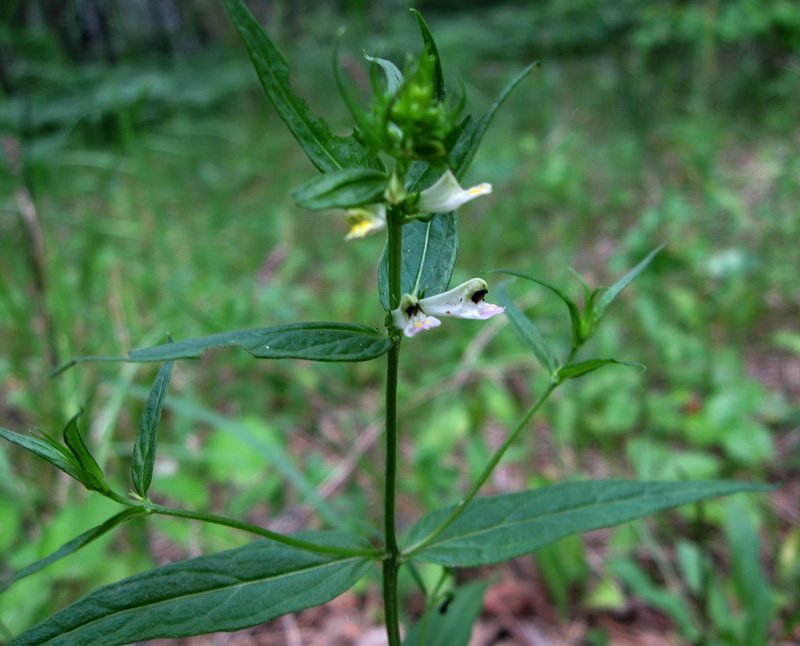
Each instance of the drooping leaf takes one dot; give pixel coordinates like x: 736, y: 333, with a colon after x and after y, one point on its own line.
x: 218, y: 593
x: 576, y: 370
x: 342, y: 189
x: 326, y: 151
x: 144, y: 448
x: 394, y: 77
x: 608, y: 295
x: 429, y: 255
x: 472, y: 131
x: 74, y: 545
x: 504, y: 527
x: 450, y: 623
x: 46, y: 448
x: 312, y: 341
x: 432, y: 50
x: 527, y: 331
x: 574, y: 312
x: 91, y: 474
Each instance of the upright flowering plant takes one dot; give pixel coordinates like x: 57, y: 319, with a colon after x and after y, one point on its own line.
x: 428, y: 147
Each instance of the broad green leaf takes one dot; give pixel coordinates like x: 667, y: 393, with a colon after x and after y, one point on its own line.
x: 92, y: 474
x: 312, y: 341
x: 46, y: 448
x: 608, y: 295
x: 527, y: 331
x: 218, y: 593
x: 450, y: 623
x: 326, y: 151
x: 504, y: 527
x: 429, y: 255
x: 342, y: 189
x: 472, y: 131
x: 144, y: 448
x: 394, y: 77
x: 576, y: 370
x: 432, y: 50
x: 74, y: 545
x: 574, y: 312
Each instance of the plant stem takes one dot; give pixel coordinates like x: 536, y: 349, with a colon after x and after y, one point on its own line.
x: 498, y: 455
x: 391, y: 564
x: 153, y: 508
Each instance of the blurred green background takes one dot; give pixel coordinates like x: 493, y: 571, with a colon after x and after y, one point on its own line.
x: 145, y: 189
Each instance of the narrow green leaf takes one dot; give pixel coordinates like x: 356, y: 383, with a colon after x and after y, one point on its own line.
x: 747, y: 575
x: 472, y: 131
x: 326, y: 151
x: 576, y: 370
x: 527, y: 331
x: 394, y: 77
x: 450, y: 623
x: 46, y: 448
x: 311, y: 341
x: 504, y: 527
x: 574, y: 312
x: 342, y: 189
x: 92, y: 475
x: 144, y: 448
x: 432, y: 50
x: 218, y: 593
x: 612, y: 292
x: 429, y: 255
x: 656, y: 596
x: 74, y: 545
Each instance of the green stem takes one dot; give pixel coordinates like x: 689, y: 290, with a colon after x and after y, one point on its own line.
x: 498, y: 455
x: 153, y: 508
x: 391, y: 564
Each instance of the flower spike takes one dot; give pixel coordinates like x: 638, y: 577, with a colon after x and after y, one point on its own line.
x: 365, y: 220
x: 465, y: 302
x: 447, y: 195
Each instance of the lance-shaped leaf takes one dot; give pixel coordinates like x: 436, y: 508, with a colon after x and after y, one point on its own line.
x: 429, y: 254
x: 432, y: 50
x: 218, y: 593
x: 326, y: 151
x: 91, y: 474
x: 394, y: 77
x: 599, y: 306
x: 48, y: 449
x: 74, y: 545
x: 144, y: 448
x: 312, y: 341
x: 504, y: 527
x: 342, y: 189
x: 574, y: 312
x: 471, y: 131
x: 527, y: 331
x: 450, y: 623
x: 576, y: 370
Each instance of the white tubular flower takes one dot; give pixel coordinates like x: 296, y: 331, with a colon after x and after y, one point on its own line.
x: 365, y: 220
x: 447, y: 195
x: 464, y: 302
x: 410, y: 318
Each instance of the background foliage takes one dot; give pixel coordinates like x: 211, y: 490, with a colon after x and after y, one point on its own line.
x: 145, y: 190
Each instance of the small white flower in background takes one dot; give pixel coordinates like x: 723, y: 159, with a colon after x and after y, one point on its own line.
x: 365, y: 220
x: 464, y: 302
x: 447, y: 195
